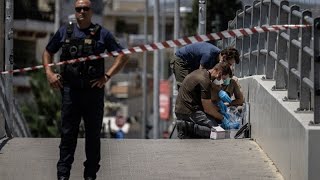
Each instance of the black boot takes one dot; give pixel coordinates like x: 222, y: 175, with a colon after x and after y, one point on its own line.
x: 185, y: 129
x: 181, y: 128
x: 190, y: 129
x: 202, y: 132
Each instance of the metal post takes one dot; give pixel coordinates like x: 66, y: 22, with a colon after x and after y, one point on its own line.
x: 202, y: 17
x: 2, y: 14
x: 316, y: 60
x: 163, y: 38
x: 305, y: 64
x: 280, y: 72
x: 246, y: 42
x: 176, y: 36
x: 239, y: 24
x: 57, y: 16
x: 156, y: 71
x: 293, y: 56
x: 144, y: 75
x: 57, y: 23
x: 225, y: 42
x: 176, y: 20
x: 2, y: 119
x: 254, y: 39
x: 262, y: 39
x: 272, y: 36
x: 9, y: 64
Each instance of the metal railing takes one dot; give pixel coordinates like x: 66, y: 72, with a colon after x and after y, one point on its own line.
x: 12, y: 122
x: 290, y: 57
x: 18, y: 127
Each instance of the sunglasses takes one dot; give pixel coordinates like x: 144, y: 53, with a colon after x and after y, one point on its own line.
x: 78, y: 9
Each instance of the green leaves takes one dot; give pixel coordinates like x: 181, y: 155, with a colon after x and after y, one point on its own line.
x: 43, y: 116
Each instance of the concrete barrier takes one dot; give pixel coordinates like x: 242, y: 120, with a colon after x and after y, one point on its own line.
x: 283, y: 134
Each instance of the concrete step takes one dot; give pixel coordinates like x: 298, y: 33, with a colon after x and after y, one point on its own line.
x: 36, y: 158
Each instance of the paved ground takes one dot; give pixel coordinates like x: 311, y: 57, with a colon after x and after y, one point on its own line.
x: 35, y: 159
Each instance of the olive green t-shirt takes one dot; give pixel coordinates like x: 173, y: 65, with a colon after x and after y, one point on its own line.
x: 195, y: 86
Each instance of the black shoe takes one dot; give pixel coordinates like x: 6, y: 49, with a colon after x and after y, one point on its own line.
x: 181, y: 128
x: 190, y: 129
x: 185, y: 129
x: 63, y: 178
x: 89, y: 178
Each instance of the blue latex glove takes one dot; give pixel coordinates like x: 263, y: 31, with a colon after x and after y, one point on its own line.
x: 227, y: 124
x: 224, y: 96
x: 222, y: 106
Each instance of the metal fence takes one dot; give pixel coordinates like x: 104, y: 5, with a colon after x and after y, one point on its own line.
x: 290, y: 57
x: 12, y: 122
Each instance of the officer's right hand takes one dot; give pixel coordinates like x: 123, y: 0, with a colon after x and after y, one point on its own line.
x: 54, y: 80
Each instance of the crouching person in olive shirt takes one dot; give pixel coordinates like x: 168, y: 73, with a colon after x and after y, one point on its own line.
x: 196, y: 114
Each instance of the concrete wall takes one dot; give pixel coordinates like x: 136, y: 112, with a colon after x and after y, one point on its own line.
x: 283, y: 134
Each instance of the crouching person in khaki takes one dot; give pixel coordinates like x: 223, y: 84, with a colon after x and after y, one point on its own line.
x: 194, y: 110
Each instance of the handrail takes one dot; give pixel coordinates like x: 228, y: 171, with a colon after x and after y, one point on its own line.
x: 286, y: 8
x: 308, y: 19
x: 297, y: 13
x: 273, y: 49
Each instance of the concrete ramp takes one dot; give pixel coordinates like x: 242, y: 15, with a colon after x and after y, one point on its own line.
x: 35, y: 159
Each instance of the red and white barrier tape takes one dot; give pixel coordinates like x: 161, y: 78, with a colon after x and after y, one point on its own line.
x: 169, y: 44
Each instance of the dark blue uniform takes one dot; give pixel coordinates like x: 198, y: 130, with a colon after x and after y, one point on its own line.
x: 79, y: 100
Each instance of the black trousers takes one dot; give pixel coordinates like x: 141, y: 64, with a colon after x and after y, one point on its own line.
x: 77, y: 104
x: 195, y: 125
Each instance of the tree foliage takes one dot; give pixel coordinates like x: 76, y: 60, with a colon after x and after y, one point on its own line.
x: 44, y: 117
x: 219, y: 12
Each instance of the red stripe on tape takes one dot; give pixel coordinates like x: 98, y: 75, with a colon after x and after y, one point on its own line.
x: 165, y: 44
x: 198, y: 38
x: 232, y: 33
x: 177, y: 42
x: 219, y: 35
x: 143, y: 48
x: 187, y: 40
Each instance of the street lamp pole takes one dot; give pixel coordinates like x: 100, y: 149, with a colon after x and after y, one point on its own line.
x: 156, y: 78
x: 56, y: 22
x: 176, y: 20
x: 202, y: 17
x: 9, y: 64
x: 176, y: 36
x: 144, y: 75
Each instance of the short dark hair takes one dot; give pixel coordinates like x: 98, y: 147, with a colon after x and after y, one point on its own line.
x: 224, y: 68
x: 231, y: 53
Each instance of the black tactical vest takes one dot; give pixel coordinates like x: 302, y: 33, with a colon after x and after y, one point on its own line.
x: 79, y: 75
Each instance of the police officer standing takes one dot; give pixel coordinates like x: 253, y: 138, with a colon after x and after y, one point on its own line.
x: 82, y: 85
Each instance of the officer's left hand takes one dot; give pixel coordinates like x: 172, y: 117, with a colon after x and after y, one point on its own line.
x: 99, y: 82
